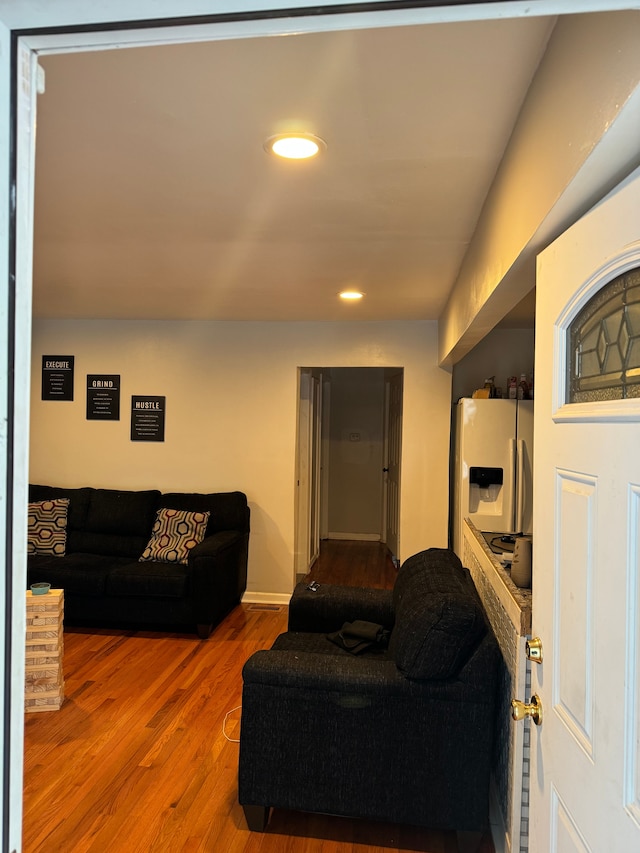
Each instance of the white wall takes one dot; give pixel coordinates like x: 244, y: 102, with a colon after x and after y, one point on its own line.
x: 575, y: 138
x: 231, y: 392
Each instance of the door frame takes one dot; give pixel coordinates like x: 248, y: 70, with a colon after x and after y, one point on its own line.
x: 313, y: 460
x: 391, y: 374
x: 25, y: 31
x: 308, y: 470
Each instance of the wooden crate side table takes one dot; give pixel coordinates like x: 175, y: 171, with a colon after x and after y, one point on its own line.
x: 44, y: 682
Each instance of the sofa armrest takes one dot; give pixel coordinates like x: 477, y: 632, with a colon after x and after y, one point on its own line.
x: 330, y: 606
x: 218, y: 574
x: 212, y: 546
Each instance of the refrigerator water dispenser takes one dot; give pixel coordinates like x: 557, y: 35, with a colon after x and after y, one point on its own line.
x: 485, y: 486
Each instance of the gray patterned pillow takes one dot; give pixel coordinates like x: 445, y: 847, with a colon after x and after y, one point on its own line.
x: 47, y: 527
x: 174, y: 534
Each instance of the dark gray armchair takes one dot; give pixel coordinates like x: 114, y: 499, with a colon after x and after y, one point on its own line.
x: 402, y: 734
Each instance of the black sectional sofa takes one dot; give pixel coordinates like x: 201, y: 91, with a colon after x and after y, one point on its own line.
x: 105, y: 583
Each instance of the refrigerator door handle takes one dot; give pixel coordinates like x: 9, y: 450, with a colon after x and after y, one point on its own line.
x: 520, y: 484
x: 510, y: 509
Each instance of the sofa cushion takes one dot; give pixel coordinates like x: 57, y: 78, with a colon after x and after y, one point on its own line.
x: 47, y: 527
x: 79, y: 574
x: 78, y: 507
x: 175, y: 532
x: 122, y: 513
x: 229, y: 510
x: 439, y: 617
x: 109, y: 544
x: 148, y: 580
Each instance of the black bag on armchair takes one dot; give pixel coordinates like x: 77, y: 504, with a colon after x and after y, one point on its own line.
x: 356, y: 637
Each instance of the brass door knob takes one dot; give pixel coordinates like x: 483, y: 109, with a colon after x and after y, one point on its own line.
x: 522, y: 710
x: 533, y: 649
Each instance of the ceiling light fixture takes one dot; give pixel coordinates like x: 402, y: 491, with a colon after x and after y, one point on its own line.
x: 295, y: 146
x: 351, y: 295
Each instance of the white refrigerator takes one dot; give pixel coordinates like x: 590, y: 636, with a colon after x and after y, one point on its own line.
x: 493, y: 467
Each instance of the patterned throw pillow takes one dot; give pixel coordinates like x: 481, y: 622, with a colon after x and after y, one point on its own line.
x: 174, y: 533
x: 47, y: 529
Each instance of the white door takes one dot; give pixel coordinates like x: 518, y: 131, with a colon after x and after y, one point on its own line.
x: 585, y: 756
x: 393, y: 453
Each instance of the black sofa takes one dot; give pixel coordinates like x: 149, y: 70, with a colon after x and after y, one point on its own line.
x: 106, y: 584
x: 402, y: 734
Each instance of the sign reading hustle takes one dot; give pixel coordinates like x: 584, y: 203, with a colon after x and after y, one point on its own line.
x: 57, y: 377
x: 103, y: 397
x: 147, y: 418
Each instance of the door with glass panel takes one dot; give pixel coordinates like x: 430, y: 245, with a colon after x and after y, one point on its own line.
x: 585, y: 752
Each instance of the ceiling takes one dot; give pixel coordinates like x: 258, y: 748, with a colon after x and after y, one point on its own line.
x: 155, y: 198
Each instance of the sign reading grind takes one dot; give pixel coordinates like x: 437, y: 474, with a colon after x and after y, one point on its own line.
x: 147, y: 418
x: 57, y: 377
x: 103, y: 397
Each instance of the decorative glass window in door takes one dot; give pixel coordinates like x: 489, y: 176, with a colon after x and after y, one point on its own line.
x: 604, y: 343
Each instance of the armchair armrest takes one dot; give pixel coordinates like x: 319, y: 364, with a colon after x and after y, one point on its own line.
x: 335, y: 673
x: 284, y: 668
x: 330, y: 606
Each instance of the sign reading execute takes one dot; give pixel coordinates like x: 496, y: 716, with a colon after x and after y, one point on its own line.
x: 57, y: 377
x: 147, y: 418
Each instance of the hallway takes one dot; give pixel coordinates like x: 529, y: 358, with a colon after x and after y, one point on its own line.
x: 354, y: 563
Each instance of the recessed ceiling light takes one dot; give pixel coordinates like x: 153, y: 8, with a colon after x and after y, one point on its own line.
x: 351, y: 295
x: 295, y: 146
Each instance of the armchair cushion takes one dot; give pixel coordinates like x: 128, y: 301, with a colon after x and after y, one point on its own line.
x: 320, y: 644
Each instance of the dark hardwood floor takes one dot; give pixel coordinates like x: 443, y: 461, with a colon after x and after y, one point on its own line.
x: 136, y: 760
x: 353, y: 563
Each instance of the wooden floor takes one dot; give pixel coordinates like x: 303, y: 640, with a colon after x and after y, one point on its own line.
x: 354, y: 564
x: 136, y: 760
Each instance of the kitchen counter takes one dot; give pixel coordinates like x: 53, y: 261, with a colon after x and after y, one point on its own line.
x: 516, y: 601
x: 508, y: 609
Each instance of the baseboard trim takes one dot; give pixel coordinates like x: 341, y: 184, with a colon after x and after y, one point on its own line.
x: 359, y: 537
x: 266, y: 598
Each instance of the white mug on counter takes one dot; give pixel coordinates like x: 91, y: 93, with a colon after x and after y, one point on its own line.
x: 521, y: 563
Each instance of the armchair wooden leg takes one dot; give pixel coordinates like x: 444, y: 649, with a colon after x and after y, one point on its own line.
x: 257, y: 817
x: 204, y: 631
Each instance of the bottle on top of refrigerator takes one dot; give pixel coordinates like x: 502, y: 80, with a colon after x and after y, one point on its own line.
x: 523, y: 387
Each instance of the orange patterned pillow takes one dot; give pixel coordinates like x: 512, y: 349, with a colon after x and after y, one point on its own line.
x: 174, y: 533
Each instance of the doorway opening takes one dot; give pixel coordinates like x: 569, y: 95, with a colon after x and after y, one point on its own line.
x: 348, y: 459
